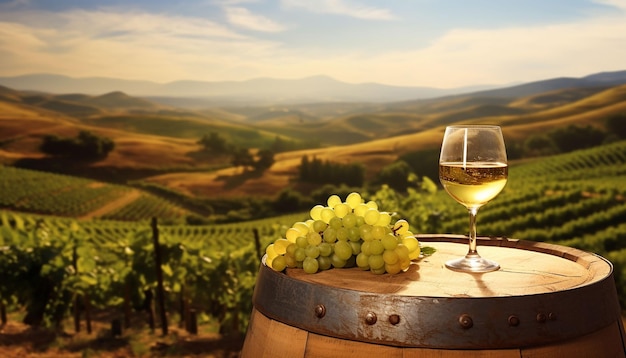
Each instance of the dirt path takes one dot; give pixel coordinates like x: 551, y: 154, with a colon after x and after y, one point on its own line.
x: 128, y: 198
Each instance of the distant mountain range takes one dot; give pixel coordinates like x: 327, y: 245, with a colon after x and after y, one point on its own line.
x: 256, y: 91
x: 316, y: 89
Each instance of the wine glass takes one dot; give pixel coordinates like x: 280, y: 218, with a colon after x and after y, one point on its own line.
x: 473, y: 170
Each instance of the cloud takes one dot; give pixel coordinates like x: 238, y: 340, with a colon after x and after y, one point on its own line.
x: 134, y: 45
x: 341, y: 7
x: 490, y: 56
x: 620, y: 4
x: 242, y: 17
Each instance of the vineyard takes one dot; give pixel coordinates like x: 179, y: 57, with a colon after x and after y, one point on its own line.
x: 62, y: 195
x: 48, y: 262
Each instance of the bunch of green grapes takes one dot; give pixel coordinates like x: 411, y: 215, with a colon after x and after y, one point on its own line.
x: 345, y: 234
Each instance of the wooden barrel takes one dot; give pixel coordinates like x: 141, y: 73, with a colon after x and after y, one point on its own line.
x: 545, y: 301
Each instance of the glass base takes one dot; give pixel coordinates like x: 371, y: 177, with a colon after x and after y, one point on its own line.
x: 472, y: 264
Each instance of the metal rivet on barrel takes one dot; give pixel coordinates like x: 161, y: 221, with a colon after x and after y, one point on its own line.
x: 466, y: 321
x: 394, y: 319
x: 513, y: 321
x: 320, y: 311
x: 370, y: 318
x: 541, y: 317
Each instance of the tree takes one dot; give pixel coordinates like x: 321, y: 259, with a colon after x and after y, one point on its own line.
x: 265, y: 159
x: 86, y: 146
x: 539, y: 145
x: 616, y: 125
x: 215, y: 143
x: 242, y: 158
x: 575, y: 137
x: 396, y: 175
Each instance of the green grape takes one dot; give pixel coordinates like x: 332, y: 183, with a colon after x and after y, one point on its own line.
x: 354, y: 234
x: 378, y: 232
x: 324, y: 262
x: 335, y: 223
x: 360, y: 210
x: 343, y: 250
x: 390, y: 257
x: 356, y: 247
x: 327, y: 214
x: 310, y: 265
x: 290, y: 261
x: 372, y: 205
x: 384, y: 219
x: 280, y: 246
x: 302, y: 241
x: 301, y: 226
x: 271, y: 252
x: 359, y: 221
x: 371, y: 216
x: 353, y: 199
x: 390, y: 241
x: 316, y: 212
x: 292, y: 234
x: 291, y: 249
x: 312, y: 251
x: 279, y: 263
x: 410, y: 242
x: 333, y: 201
x: 325, y: 249
x: 402, y: 251
x: 319, y: 226
x: 337, y: 261
x: 376, y: 262
x: 394, y: 268
x: 401, y: 227
x: 376, y: 247
x: 365, y: 247
x: 362, y: 261
x: 365, y: 231
x: 300, y: 254
x: 314, y: 238
x: 342, y: 234
x: 349, y: 220
x: 345, y: 234
x: 342, y: 209
x: 378, y: 271
x: 330, y: 235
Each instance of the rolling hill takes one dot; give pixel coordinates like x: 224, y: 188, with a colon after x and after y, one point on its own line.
x: 157, y: 142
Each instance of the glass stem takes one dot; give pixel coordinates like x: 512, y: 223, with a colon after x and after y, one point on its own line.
x: 472, y: 232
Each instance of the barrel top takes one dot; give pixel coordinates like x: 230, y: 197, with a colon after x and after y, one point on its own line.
x: 526, y: 268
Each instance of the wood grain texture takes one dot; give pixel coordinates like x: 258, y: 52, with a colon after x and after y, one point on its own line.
x: 573, y: 290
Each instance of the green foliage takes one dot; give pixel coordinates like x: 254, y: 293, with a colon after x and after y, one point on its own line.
x: 395, y: 175
x: 215, y: 143
x: 63, y: 195
x: 616, y: 125
x: 419, y: 205
x: 575, y: 137
x: 326, y: 172
x: 265, y: 159
x: 540, y: 145
x: 86, y: 146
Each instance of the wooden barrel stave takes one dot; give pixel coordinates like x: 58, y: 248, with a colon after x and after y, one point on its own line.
x: 543, y: 324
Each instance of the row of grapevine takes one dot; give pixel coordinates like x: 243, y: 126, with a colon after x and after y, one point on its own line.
x: 212, y: 267
x: 568, y: 199
x: 146, y: 207
x: 62, y: 195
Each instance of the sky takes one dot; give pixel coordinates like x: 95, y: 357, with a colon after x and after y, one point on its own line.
x: 431, y: 43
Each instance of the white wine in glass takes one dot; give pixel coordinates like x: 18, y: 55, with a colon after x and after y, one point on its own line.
x: 473, y: 170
